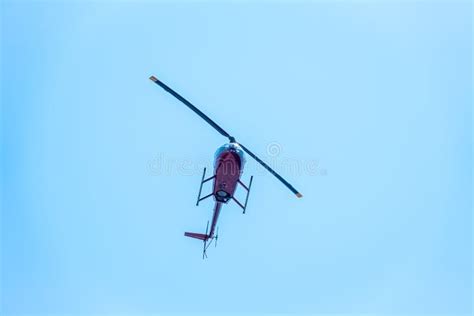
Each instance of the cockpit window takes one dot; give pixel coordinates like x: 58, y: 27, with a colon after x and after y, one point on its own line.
x: 231, y: 147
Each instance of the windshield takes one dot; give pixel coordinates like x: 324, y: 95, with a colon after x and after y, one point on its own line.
x: 231, y: 147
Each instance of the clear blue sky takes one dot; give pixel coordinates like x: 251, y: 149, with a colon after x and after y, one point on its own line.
x: 101, y: 168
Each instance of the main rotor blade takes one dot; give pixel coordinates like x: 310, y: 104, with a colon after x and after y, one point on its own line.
x: 192, y: 107
x: 286, y: 183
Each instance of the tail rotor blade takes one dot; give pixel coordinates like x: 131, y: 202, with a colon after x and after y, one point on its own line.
x: 260, y: 161
x: 192, y: 107
x: 204, y: 248
x: 204, y: 254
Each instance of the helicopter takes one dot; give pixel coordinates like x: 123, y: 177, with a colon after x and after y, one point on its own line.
x: 228, y: 167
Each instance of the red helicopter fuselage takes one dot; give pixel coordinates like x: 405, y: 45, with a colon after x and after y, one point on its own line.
x: 228, y: 166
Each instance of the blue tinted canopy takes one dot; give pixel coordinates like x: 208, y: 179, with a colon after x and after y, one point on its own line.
x: 233, y: 147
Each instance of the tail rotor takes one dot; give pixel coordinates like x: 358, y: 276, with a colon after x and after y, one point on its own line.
x: 204, y: 255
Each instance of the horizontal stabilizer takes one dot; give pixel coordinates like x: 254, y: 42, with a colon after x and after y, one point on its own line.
x: 197, y: 236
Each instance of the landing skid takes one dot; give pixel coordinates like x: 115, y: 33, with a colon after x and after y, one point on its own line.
x: 199, y: 199
x: 244, y: 207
